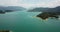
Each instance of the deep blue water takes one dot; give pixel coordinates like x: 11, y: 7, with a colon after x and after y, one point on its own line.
x: 27, y: 22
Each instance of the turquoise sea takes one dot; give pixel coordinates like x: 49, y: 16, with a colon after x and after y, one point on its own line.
x: 27, y: 22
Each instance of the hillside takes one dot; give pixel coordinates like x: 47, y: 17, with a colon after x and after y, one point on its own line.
x: 42, y: 9
x: 13, y: 8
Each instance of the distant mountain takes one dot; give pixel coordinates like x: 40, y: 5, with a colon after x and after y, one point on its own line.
x: 57, y: 9
x: 13, y: 8
x: 42, y: 9
x: 4, y: 9
x: 16, y: 8
x: 38, y: 9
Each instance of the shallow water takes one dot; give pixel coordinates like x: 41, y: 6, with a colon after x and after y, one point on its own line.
x: 26, y: 22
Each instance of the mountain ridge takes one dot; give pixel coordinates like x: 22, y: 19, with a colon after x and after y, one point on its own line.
x: 43, y: 9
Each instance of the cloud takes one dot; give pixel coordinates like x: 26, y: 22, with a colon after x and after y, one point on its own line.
x: 31, y: 3
x: 8, y: 2
x: 52, y: 3
x: 40, y: 3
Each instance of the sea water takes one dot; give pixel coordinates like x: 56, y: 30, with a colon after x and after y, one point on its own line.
x: 27, y: 22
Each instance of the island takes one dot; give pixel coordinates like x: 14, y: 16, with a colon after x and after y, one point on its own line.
x: 46, y: 15
x: 5, y: 31
x: 8, y: 10
x: 2, y: 12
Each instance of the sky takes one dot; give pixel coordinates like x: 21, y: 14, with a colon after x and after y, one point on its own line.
x: 30, y: 3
